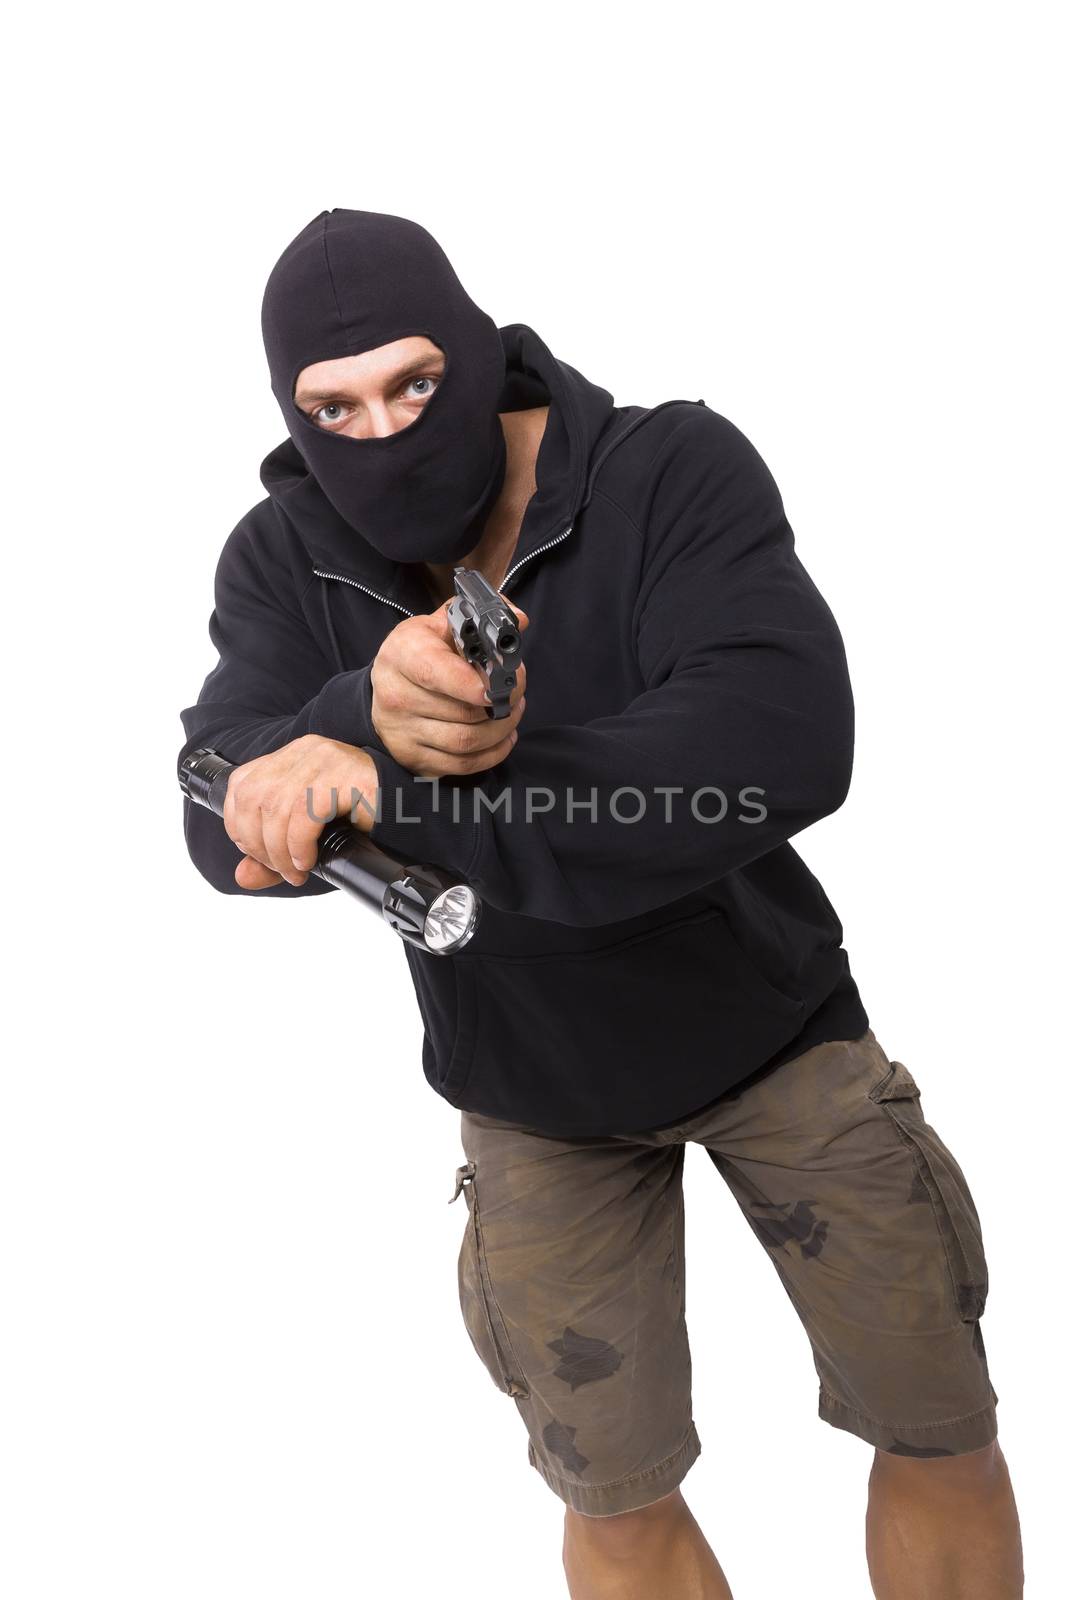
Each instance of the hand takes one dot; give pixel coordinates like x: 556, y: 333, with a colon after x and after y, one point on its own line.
x: 267, y: 812
x: 429, y: 707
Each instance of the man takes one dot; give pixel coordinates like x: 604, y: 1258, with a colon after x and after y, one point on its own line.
x: 655, y: 965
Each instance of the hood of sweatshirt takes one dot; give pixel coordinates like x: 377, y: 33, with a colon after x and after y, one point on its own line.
x: 582, y: 423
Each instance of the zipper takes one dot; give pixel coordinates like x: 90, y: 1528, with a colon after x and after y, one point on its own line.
x: 594, y: 469
x: 538, y: 551
x: 636, y: 423
x: 596, y: 465
x: 340, y: 578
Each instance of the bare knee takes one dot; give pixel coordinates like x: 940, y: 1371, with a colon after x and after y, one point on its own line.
x: 976, y: 1472
x: 624, y: 1530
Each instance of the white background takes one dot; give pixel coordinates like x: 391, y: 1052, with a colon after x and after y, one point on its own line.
x: 234, y: 1364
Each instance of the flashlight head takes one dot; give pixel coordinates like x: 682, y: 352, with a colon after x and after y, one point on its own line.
x: 451, y: 919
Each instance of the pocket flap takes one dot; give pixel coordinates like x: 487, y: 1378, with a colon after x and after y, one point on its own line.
x: 897, y: 1084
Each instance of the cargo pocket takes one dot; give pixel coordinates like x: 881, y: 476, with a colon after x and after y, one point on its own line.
x: 481, y: 1314
x: 943, y: 1181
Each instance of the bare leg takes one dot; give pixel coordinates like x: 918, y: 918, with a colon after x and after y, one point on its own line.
x: 943, y: 1528
x: 658, y: 1550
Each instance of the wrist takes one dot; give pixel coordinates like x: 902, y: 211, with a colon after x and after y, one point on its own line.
x: 365, y: 781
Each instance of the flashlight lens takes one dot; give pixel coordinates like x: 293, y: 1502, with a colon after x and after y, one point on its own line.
x: 451, y: 919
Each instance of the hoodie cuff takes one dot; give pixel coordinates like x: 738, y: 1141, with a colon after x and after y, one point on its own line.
x: 341, y: 710
x: 428, y: 820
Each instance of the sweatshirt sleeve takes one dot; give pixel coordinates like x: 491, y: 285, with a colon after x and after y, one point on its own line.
x: 271, y: 684
x: 746, y: 717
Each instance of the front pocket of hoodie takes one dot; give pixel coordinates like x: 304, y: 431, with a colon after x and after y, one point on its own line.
x: 656, y: 1020
x: 942, y: 1179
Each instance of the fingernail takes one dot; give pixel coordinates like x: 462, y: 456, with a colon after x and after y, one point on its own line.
x: 521, y: 702
x: 514, y: 735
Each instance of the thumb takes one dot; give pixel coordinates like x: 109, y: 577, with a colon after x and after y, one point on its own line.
x: 251, y: 874
x: 437, y: 621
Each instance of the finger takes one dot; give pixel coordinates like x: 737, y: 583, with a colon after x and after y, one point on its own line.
x: 307, y: 820
x: 445, y: 764
x: 248, y: 837
x: 399, y: 697
x: 465, y: 738
x: 241, y: 821
x: 438, y: 620
x: 251, y: 874
x: 415, y: 702
x: 276, y: 841
x: 434, y: 664
x: 491, y: 757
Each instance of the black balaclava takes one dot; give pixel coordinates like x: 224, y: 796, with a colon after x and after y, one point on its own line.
x: 353, y: 280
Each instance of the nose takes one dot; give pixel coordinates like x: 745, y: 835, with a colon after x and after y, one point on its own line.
x: 378, y: 421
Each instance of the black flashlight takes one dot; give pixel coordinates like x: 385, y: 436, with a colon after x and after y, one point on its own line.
x: 424, y: 905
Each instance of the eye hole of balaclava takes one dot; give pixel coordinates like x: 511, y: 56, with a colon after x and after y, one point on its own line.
x: 381, y: 392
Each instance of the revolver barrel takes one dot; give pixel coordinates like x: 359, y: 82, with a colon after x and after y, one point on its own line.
x: 486, y: 633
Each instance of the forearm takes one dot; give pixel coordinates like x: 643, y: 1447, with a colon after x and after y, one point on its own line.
x: 241, y: 731
x: 594, y: 824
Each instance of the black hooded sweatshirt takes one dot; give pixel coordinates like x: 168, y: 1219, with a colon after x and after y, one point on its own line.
x: 641, y: 952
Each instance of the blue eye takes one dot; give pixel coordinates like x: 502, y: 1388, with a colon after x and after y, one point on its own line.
x: 334, y: 414
x: 324, y: 416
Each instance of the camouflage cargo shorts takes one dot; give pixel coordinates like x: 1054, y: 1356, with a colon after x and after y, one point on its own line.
x: 572, y: 1271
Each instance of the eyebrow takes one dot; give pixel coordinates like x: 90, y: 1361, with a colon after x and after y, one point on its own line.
x: 407, y: 371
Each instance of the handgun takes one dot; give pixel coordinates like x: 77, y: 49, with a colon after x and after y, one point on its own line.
x: 486, y: 633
